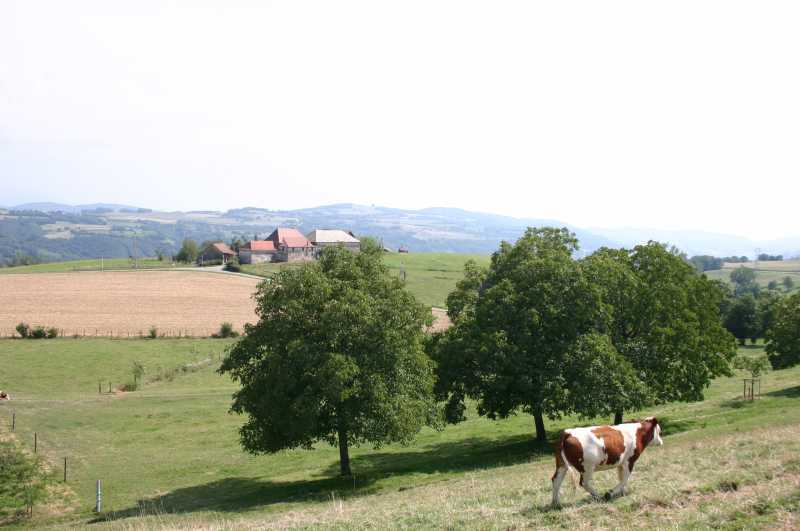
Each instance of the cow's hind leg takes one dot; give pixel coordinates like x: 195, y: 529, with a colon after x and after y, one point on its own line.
x: 624, y: 474
x: 586, y: 483
x: 557, y: 479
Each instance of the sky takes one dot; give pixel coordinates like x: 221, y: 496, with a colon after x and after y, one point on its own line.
x: 670, y: 115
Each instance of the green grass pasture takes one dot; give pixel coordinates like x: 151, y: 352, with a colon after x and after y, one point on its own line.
x: 108, y: 264
x: 429, y: 276
x: 170, y: 452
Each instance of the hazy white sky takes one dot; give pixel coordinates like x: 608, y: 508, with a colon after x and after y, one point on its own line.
x: 668, y: 115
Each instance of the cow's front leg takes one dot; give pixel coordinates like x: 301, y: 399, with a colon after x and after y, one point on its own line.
x: 586, y: 482
x: 623, y: 474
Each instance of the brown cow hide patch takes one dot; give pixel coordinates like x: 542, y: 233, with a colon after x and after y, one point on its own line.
x: 573, y: 451
x: 613, y: 441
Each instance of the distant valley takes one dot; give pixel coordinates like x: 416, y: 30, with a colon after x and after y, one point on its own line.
x: 53, y: 231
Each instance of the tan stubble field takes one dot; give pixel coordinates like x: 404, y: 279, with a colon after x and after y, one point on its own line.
x: 122, y: 303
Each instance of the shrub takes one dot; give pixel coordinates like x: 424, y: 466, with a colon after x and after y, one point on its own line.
x: 153, y: 332
x: 52, y: 332
x: 23, y: 329
x: 22, y: 481
x: 38, y: 332
x: 138, y: 373
x: 755, y: 365
x: 225, y: 330
x: 233, y: 265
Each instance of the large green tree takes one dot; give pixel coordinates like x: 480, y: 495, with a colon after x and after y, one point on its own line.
x: 744, y: 281
x: 337, y: 356
x: 514, y: 325
x: 189, y: 251
x: 742, y: 319
x: 664, y: 319
x: 783, y: 336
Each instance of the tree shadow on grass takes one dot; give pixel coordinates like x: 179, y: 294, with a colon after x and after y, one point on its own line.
x: 238, y: 494
x: 671, y: 427
x: 789, y: 392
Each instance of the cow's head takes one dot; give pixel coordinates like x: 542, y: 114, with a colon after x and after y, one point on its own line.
x: 651, y: 423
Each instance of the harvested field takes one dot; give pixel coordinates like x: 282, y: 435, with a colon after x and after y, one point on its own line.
x: 122, y: 303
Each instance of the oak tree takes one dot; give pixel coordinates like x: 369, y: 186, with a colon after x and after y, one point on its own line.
x: 783, y: 336
x: 336, y: 356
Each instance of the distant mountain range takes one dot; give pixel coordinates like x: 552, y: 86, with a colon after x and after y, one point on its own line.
x: 53, y: 231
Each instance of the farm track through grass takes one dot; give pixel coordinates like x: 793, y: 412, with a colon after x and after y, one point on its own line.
x: 172, y: 448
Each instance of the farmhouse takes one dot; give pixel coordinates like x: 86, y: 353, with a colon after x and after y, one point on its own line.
x: 216, y: 251
x: 257, y: 251
x: 283, y: 245
x: 322, y: 238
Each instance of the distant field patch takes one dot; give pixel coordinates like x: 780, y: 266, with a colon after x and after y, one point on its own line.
x: 93, y: 264
x: 429, y: 276
x: 121, y: 303
x: 766, y: 272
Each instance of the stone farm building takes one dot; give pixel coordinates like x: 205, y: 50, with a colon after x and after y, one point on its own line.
x: 216, y: 252
x: 322, y: 238
x: 257, y: 251
x: 283, y: 245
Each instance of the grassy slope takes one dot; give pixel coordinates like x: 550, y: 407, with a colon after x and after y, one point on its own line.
x: 765, y: 272
x: 172, y: 449
x: 85, y: 265
x: 429, y: 276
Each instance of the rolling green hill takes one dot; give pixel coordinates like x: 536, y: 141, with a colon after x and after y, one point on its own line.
x: 168, y: 455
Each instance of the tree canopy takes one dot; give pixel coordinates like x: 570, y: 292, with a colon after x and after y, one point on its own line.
x: 517, y: 334
x: 783, y: 337
x: 337, y: 356
x: 665, y: 319
x: 537, y: 329
x: 189, y: 251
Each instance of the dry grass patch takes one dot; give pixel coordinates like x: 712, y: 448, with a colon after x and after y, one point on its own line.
x: 742, y: 481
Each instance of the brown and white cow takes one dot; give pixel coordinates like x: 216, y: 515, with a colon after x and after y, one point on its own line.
x: 601, y: 448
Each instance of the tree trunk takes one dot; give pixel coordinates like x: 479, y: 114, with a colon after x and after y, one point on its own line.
x: 618, y: 417
x: 541, y: 434
x: 344, y: 453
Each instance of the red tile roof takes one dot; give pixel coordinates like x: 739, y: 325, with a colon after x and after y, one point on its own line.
x: 222, y: 248
x: 260, y: 245
x: 289, y: 238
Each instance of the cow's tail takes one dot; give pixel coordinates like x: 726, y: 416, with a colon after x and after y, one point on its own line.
x: 561, y: 460
x: 575, y: 478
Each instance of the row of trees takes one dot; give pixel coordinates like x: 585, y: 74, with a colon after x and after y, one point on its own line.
x: 748, y: 311
x: 540, y: 332
x: 339, y: 353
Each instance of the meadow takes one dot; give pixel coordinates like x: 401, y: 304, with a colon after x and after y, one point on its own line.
x: 168, y: 455
x: 106, y: 264
x: 429, y: 276
x: 765, y: 272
